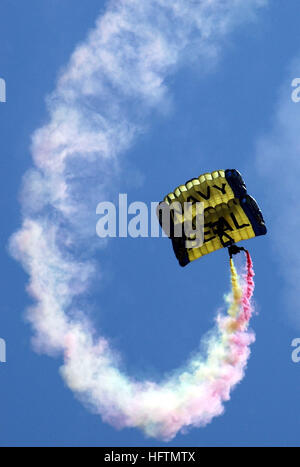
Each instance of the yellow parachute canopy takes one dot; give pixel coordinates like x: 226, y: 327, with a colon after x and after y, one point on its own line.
x: 230, y: 214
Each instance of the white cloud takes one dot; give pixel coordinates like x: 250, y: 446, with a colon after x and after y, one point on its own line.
x: 278, y: 162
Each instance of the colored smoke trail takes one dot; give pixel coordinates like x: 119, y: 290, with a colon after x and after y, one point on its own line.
x: 193, y: 395
x: 103, y: 98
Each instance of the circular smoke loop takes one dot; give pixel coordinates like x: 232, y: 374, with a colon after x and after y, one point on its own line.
x: 111, y: 84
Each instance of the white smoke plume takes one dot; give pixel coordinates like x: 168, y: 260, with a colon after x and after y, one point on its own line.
x: 112, y: 82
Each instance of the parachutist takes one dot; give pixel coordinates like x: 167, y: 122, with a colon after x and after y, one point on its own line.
x: 231, y: 215
x: 234, y: 250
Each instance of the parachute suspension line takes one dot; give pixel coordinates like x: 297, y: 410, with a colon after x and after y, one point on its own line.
x: 221, y: 232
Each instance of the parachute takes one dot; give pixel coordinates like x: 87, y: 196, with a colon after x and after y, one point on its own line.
x: 230, y: 215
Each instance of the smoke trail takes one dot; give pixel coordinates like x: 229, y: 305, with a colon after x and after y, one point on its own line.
x: 103, y: 97
x: 191, y: 396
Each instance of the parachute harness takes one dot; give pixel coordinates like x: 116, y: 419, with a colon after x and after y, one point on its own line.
x: 234, y: 250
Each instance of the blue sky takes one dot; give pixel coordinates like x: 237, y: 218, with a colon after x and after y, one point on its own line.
x: 218, y: 115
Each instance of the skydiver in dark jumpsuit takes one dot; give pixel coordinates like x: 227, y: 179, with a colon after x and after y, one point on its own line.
x: 233, y: 249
